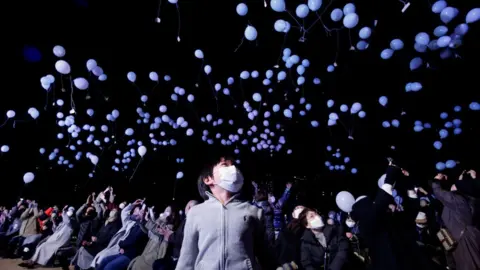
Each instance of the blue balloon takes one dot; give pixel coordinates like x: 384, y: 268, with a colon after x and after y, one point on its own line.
x: 448, y: 124
x: 474, y: 106
x: 330, y: 68
x: 336, y: 15
x: 354, y: 171
x: 440, y: 166
x: 415, y: 63
x: 395, y: 123
x: 450, y: 164
x: 444, y: 41
x: 448, y: 14
x: 386, y: 54
x: 383, y: 100
x: 439, y: 6
x: 362, y: 45
x: 396, y: 44
x: 438, y: 145
x: 440, y: 31
x: 350, y: 20
x: 385, y: 124
x: 461, y: 29
x: 422, y: 38
x: 443, y: 133
x: 473, y: 15
x: 349, y: 8
x: 444, y: 115
x: 457, y: 131
x: 278, y: 5
x: 420, y: 48
x: 365, y: 32
x: 418, y: 128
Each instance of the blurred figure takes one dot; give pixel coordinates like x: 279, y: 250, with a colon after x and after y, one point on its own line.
x: 289, y: 239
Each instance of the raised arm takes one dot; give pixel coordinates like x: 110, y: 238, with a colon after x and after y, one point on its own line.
x: 285, y: 196
x: 447, y: 198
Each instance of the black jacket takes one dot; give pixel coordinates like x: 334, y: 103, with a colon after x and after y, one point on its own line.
x: 287, y: 246
x: 313, y: 253
x: 176, y: 239
x: 104, y: 236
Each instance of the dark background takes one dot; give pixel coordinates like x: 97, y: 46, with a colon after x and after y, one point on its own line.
x: 123, y: 36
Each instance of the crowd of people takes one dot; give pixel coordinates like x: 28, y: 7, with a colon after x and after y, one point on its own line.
x: 436, y: 226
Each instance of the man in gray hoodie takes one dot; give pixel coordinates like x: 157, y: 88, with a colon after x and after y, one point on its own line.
x: 224, y: 232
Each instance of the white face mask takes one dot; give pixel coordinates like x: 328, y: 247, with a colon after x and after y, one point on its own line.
x: 167, y: 213
x: 297, y: 213
x: 122, y: 205
x: 112, y: 214
x: 230, y: 179
x: 316, y: 223
x: 350, y: 223
x: 272, y: 199
x: 54, y: 215
x: 421, y: 225
x: 180, y: 212
x: 330, y: 221
x: 69, y: 213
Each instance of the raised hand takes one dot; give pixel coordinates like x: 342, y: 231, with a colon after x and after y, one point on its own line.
x: 441, y: 177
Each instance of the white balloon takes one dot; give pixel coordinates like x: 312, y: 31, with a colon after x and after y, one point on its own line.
x: 345, y: 201
x: 179, y: 175
x: 142, y: 150
x: 91, y: 64
x: 199, y: 54
x: 381, y: 180
x: 59, y: 51
x: 5, y: 148
x: 131, y: 76
x: 153, y: 76
x: 93, y: 159
x: 28, y: 177
x: 11, y: 113
x: 250, y: 33
x: 62, y: 67
x: 81, y: 83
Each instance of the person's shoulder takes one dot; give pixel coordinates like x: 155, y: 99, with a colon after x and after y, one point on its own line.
x: 252, y: 209
x: 197, y: 209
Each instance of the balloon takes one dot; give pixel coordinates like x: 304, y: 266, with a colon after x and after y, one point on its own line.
x: 97, y: 71
x: 396, y: 44
x: 422, y: 38
x: 440, y: 166
x: 336, y: 15
x: 207, y: 69
x: 438, y: 145
x: 350, y: 20
x: 59, y: 51
x: 439, y: 6
x: 242, y: 9
x: 349, y: 8
x: 131, y: 76
x: 440, y: 31
x: 91, y: 64
x: 199, y: 54
x: 280, y: 25
x: 365, y: 32
x: 386, y: 54
x: 62, y: 67
x: 383, y: 100
x: 250, y: 33
x: 448, y: 14
x: 179, y: 175
x: 450, y: 164
x: 102, y: 77
x: 28, y: 177
x: 443, y: 41
x: 11, y: 113
x: 314, y: 5
x: 81, y: 83
x: 345, y: 201
x: 302, y: 11
x: 257, y: 97
x: 5, y: 148
x: 278, y: 5
x: 93, y: 159
x: 415, y: 63
x: 473, y: 15
x: 142, y: 150
x: 153, y: 76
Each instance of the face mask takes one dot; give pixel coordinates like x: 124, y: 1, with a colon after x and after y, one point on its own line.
x: 297, y: 213
x: 230, y: 179
x: 167, y: 213
x: 272, y: 199
x: 112, y: 214
x: 70, y: 213
x: 180, y: 212
x: 350, y: 223
x: 316, y: 223
x: 421, y: 225
x: 330, y: 221
x: 122, y: 205
x: 54, y: 215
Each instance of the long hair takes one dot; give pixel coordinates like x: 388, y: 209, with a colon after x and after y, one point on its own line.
x: 297, y: 226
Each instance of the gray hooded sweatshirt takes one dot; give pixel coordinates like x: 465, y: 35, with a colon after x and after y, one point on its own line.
x: 229, y: 236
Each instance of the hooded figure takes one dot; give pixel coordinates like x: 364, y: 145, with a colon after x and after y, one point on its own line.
x: 458, y: 217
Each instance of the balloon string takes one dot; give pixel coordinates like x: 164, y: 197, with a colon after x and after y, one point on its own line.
x: 241, y: 42
x: 179, y: 22
x: 46, y: 102
x: 283, y: 47
x: 345, y: 127
x: 4, y: 123
x: 299, y: 25
x: 72, y: 103
x: 213, y: 90
x: 136, y: 168
x: 200, y: 72
x: 350, y: 39
x: 174, y: 190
